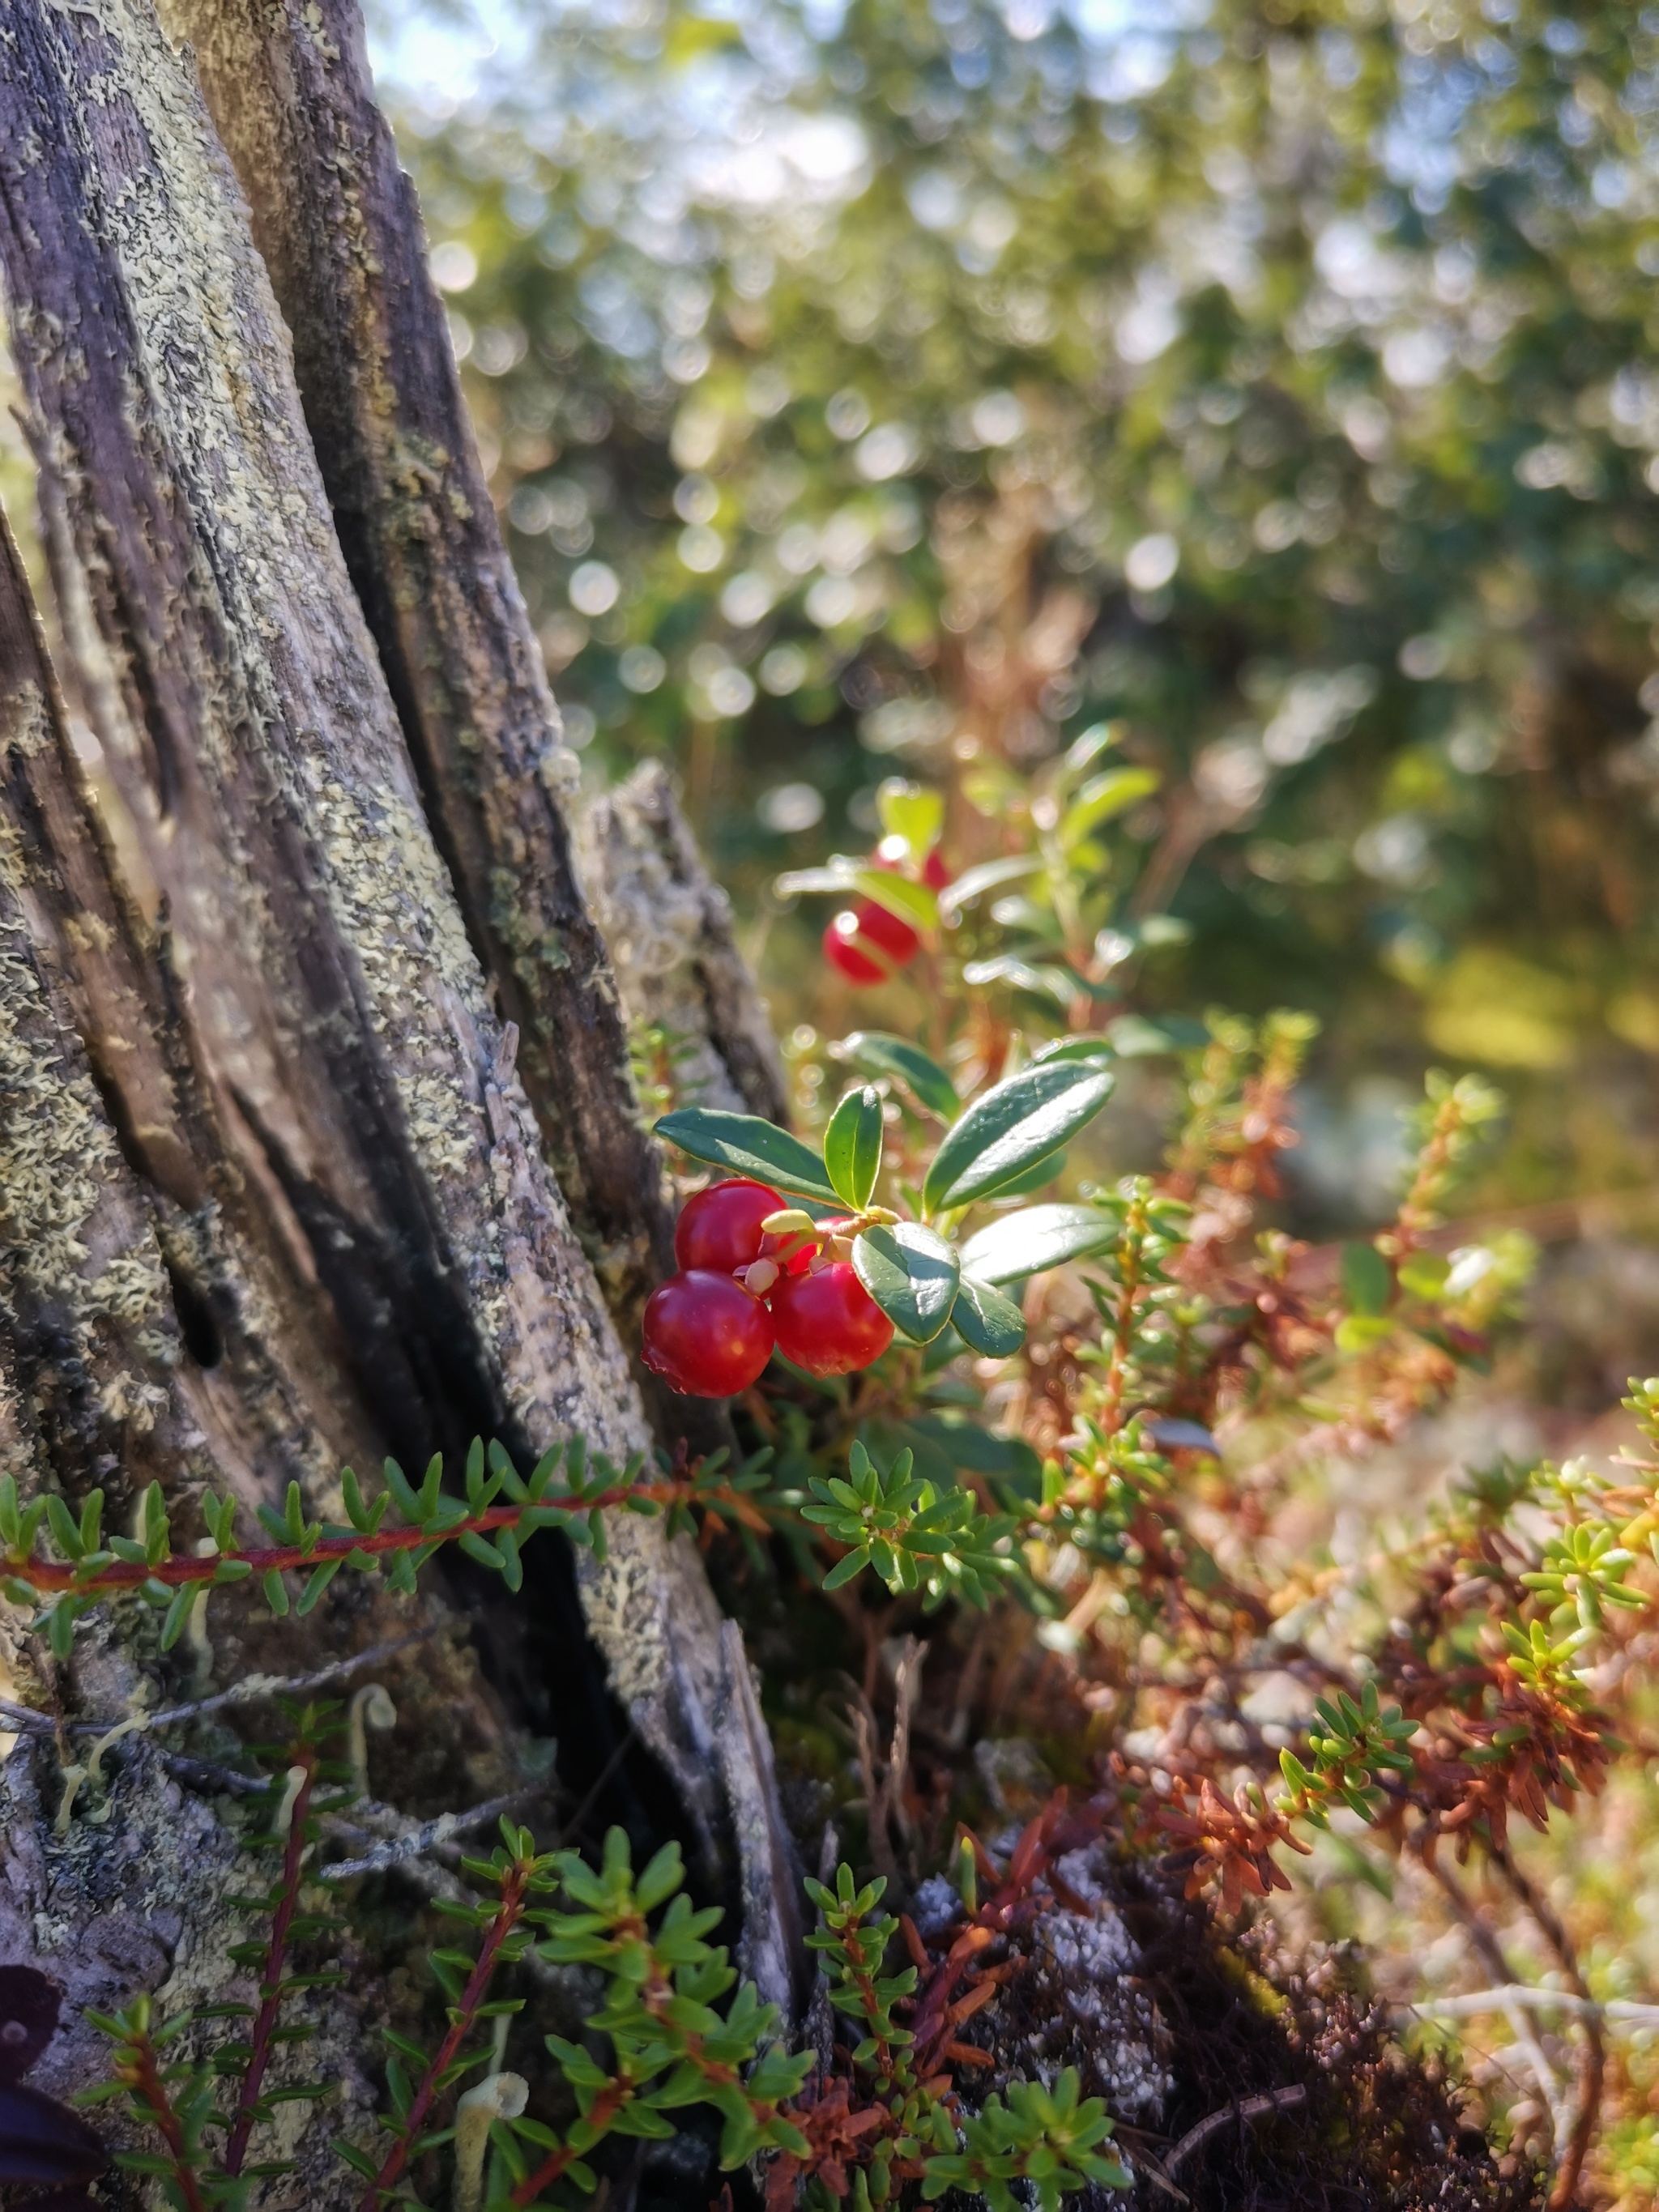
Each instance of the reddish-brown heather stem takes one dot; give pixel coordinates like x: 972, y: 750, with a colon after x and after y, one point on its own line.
x: 144, y: 2076
x: 1593, y: 2062
x: 270, y: 1980
x: 52, y: 1575
x: 1123, y: 1322
x: 506, y: 1919
x: 600, y: 2113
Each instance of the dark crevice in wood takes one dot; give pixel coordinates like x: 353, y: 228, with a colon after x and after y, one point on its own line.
x: 198, y: 1325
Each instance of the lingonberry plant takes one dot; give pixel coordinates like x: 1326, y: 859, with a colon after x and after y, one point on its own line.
x: 1078, y: 1422
x: 881, y: 931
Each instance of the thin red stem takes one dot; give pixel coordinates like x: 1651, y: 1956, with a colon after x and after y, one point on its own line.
x: 51, y: 1574
x: 271, y: 1985
x: 507, y: 1916
x: 144, y: 2077
x: 603, y: 2110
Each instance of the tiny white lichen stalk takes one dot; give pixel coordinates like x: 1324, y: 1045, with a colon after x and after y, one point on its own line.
x: 371, y: 1708
x: 497, y: 2097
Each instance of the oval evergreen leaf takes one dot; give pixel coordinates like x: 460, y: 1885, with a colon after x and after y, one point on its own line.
x: 912, y: 1274
x: 1038, y: 1177
x: 852, y: 1146
x: 1103, y: 798
x: 1038, y: 1236
x: 1092, y: 1047
x: 973, y: 882
x: 986, y: 1322
x: 748, y: 1145
x: 879, y: 1053
x: 910, y: 900
x: 1002, y: 1134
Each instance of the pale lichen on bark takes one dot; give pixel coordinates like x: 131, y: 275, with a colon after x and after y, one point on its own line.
x: 339, y: 1158
x: 668, y: 926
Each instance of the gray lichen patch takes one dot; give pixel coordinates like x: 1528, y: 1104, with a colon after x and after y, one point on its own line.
x: 1080, y: 1999
x: 58, y: 1161
x: 668, y: 929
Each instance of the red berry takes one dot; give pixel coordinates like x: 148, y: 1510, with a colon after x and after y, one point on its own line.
x: 705, y: 1335
x: 889, y: 931
x: 934, y: 872
x: 721, y: 1228
x: 827, y: 1322
x: 841, y: 950
x: 869, y: 924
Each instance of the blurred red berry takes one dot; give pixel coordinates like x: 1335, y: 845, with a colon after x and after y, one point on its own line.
x: 841, y: 950
x: 868, y: 924
x: 827, y: 1322
x: 889, y: 931
x: 721, y: 1228
x: 706, y: 1335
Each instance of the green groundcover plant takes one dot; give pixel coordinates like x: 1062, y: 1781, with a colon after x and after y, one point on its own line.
x: 1088, y: 1411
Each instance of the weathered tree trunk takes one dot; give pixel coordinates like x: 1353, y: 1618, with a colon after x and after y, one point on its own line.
x: 677, y: 963
x: 334, y: 217
x: 273, y: 1189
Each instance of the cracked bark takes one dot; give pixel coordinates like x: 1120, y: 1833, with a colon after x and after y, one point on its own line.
x: 273, y: 1193
x: 669, y: 928
x: 336, y: 219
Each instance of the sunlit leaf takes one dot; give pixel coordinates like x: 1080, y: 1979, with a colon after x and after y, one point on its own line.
x: 852, y: 1146
x: 911, y: 1273
x: 747, y: 1145
x: 1039, y: 1236
x: 986, y: 1322
x: 880, y: 1054
x: 1002, y: 1133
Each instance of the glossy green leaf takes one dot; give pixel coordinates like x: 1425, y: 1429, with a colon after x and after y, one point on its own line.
x: 1074, y: 1047
x: 1084, y: 751
x: 878, y: 1052
x: 1137, y: 1037
x: 852, y: 1146
x: 747, y: 1145
x: 836, y: 878
x: 914, y: 812
x: 1037, y: 1177
x: 1044, y: 982
x: 1104, y: 797
x: 1038, y: 1236
x: 911, y: 1273
x: 1023, y: 1120
x: 987, y: 1322
x: 910, y: 900
x: 973, y: 882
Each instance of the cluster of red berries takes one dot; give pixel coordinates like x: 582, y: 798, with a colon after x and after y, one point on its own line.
x: 868, y: 941
x: 743, y: 1289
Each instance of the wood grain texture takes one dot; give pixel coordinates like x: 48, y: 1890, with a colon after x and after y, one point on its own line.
x: 335, y: 219
x: 668, y: 925
x: 321, y: 1086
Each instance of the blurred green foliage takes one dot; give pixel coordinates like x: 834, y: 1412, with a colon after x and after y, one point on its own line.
x: 919, y: 385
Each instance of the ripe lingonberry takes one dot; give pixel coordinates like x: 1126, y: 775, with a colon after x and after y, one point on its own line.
x: 706, y: 1335
x: 858, y: 936
x: 827, y: 1322
x: 721, y: 1228
x: 868, y: 924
